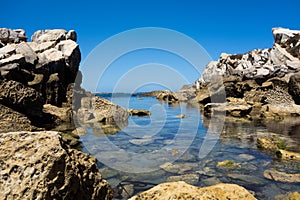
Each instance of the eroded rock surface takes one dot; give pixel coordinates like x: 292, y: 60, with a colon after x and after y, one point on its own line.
x: 182, y: 190
x: 38, y: 165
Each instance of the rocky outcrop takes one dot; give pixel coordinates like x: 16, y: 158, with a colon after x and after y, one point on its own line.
x: 38, y: 165
x: 182, y: 190
x: 265, y: 81
x: 38, y: 72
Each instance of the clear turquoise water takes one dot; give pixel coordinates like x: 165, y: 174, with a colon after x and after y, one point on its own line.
x: 133, y: 158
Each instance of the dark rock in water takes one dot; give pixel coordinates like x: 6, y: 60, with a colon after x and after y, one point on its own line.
x: 140, y: 113
x: 275, y: 175
x: 43, y: 167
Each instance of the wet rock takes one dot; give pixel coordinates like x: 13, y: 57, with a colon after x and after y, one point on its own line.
x: 182, y: 190
x: 182, y: 116
x: 246, y: 157
x: 210, y: 181
x: 38, y: 167
x: 168, y: 96
x: 142, y: 141
x: 288, y: 155
x: 228, y: 164
x: 139, y: 113
x: 178, y: 168
x: 192, y: 179
x: 275, y: 175
x: 288, y: 196
x: 247, y: 179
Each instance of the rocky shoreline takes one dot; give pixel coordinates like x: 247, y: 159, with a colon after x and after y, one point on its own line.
x: 40, y: 91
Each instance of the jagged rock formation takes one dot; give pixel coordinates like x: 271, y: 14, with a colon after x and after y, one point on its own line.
x: 264, y: 82
x: 182, y: 190
x: 39, y: 165
x: 36, y: 73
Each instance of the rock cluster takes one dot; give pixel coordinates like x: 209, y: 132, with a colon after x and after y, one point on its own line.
x: 258, y: 84
x: 39, y: 165
x: 36, y: 73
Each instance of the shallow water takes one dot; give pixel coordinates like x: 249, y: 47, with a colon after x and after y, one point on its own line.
x: 163, y: 147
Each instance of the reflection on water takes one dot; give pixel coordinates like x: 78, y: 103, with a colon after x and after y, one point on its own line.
x: 163, y: 147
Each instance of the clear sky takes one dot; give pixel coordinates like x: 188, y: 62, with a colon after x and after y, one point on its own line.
x: 231, y: 26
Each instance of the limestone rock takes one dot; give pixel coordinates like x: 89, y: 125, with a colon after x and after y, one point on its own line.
x: 49, y: 35
x: 41, y: 166
x: 64, y: 114
x: 12, y: 36
x: 140, y: 113
x: 11, y: 120
x: 182, y: 190
x: 288, y: 196
x: 166, y: 95
x: 21, y: 98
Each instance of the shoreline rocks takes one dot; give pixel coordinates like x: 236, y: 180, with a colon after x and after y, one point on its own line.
x: 264, y: 82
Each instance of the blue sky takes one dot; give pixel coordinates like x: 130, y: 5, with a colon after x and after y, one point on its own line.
x: 219, y: 26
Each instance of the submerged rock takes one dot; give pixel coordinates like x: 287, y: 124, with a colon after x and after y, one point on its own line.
x: 228, y: 164
x: 139, y: 113
x: 275, y: 175
x: 288, y: 196
x: 182, y: 190
x: 38, y: 165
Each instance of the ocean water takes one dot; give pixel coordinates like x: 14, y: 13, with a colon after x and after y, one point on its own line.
x: 164, y: 147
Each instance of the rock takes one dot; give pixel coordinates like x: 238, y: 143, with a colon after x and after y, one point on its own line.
x: 41, y: 170
x: 210, y: 181
x: 49, y: 35
x: 247, y: 179
x: 275, y: 175
x: 166, y: 95
x: 106, y: 111
x: 178, y: 168
x: 233, y: 109
x: 139, y: 113
x: 25, y: 50
x: 64, y: 114
x: 288, y: 196
x: 11, y: 120
x: 258, y: 76
x: 79, y: 131
x: 192, y: 179
x: 71, y: 35
x: 268, y: 144
x: 228, y: 164
x: 12, y: 36
x: 294, y: 87
x: 246, y: 157
x: 72, y: 56
x: 288, y: 155
x: 142, y: 141
x: 182, y: 190
x: 21, y: 98
x: 182, y: 116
